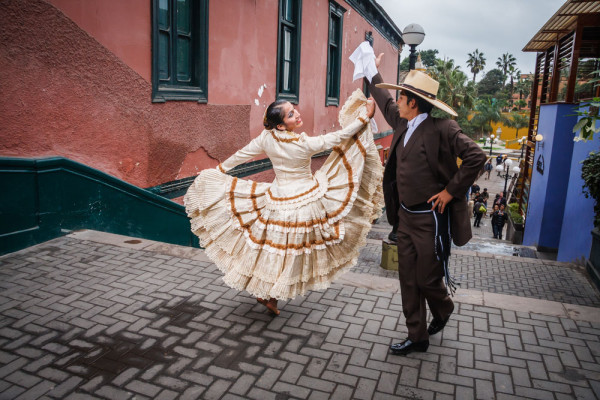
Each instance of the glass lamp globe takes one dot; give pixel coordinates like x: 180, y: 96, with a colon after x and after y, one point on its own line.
x: 413, y: 34
x: 516, y: 170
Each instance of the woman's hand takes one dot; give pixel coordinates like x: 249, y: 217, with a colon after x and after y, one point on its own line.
x: 370, y: 107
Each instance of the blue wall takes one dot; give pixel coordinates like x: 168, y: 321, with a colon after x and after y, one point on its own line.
x: 548, y: 191
x: 578, y: 221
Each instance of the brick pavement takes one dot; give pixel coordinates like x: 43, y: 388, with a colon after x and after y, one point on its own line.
x: 83, y: 319
x: 525, y: 277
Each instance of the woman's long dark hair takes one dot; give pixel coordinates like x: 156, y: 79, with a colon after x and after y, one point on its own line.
x: 274, y: 114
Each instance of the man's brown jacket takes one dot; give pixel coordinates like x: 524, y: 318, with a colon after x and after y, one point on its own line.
x: 444, y: 142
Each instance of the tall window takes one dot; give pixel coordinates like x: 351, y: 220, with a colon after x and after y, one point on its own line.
x: 288, y: 50
x: 334, y: 53
x: 179, y: 50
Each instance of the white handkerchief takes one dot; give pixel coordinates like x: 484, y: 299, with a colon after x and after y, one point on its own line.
x: 364, y: 62
x: 373, y: 126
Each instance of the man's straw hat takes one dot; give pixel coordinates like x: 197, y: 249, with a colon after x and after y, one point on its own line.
x: 422, y: 85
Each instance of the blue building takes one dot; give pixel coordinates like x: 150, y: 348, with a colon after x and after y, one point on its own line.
x: 558, y: 217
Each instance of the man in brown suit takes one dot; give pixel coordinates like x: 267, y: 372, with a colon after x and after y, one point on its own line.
x: 425, y: 196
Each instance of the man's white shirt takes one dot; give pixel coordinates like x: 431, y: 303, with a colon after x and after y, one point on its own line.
x: 413, y: 124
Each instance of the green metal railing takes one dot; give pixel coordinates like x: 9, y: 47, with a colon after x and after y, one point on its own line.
x: 46, y: 198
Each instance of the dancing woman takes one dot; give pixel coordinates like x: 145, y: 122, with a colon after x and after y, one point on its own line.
x: 281, y: 239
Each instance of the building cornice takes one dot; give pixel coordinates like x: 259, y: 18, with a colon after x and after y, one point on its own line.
x: 379, y: 19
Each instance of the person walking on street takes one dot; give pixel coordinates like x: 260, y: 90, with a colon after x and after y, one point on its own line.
x: 488, y: 168
x: 485, y: 195
x: 494, y: 221
x: 478, y: 211
x: 501, y: 220
x: 424, y: 189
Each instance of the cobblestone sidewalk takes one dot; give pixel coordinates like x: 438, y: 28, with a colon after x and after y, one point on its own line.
x: 83, y: 319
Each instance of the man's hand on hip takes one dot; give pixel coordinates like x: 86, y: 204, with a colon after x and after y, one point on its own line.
x: 441, y: 200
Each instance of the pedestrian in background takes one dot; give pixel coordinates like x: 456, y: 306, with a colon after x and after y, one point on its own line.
x: 485, y: 195
x: 494, y: 216
x: 488, y: 168
x: 501, y: 220
x: 478, y: 211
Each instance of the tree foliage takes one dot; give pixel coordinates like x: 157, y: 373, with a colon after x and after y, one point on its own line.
x: 491, y: 82
x: 517, y: 121
x: 590, y: 172
x: 428, y: 58
x: 487, y: 112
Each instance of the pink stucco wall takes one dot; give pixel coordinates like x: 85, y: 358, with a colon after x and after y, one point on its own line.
x: 243, y: 58
x: 123, y: 27
x: 65, y: 94
x: 76, y: 82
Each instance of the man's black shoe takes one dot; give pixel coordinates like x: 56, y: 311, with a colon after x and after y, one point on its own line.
x: 393, y: 236
x: 437, y: 325
x: 408, y: 346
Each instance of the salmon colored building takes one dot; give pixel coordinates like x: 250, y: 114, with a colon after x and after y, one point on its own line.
x: 155, y: 91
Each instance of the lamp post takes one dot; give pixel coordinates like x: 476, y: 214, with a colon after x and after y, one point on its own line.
x: 491, y: 143
x: 522, y: 142
x: 504, y: 171
x: 413, y: 36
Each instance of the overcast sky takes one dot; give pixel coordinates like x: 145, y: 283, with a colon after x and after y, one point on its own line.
x: 458, y: 27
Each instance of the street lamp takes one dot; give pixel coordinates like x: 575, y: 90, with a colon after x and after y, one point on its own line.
x: 504, y: 171
x: 491, y: 143
x: 413, y: 36
x: 522, y: 142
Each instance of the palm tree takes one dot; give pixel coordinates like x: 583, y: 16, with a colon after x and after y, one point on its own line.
x: 476, y: 62
x: 514, y: 73
x: 517, y: 121
x: 524, y: 87
x: 504, y: 63
x: 454, y: 89
x: 487, y: 112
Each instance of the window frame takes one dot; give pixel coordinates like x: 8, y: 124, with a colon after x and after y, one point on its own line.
x: 338, y: 11
x: 369, y: 38
x: 198, y: 91
x: 292, y: 95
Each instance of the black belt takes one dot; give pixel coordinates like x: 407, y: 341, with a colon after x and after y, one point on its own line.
x: 418, y: 207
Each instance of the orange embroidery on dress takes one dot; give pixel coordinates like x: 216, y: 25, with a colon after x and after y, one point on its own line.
x: 294, y: 139
x: 361, y: 148
x: 293, y: 197
x: 285, y: 224
x: 221, y: 168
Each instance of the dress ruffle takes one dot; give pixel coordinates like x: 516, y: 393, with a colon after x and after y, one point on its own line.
x: 282, y: 247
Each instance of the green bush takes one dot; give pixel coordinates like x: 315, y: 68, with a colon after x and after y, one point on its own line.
x: 590, y: 172
x: 515, y: 215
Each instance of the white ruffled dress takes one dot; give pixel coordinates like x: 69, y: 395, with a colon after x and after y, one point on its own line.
x: 298, y: 233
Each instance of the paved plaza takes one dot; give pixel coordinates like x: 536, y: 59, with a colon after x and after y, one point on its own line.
x: 93, y: 315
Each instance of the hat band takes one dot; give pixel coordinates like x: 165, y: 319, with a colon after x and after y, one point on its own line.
x: 420, y: 91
